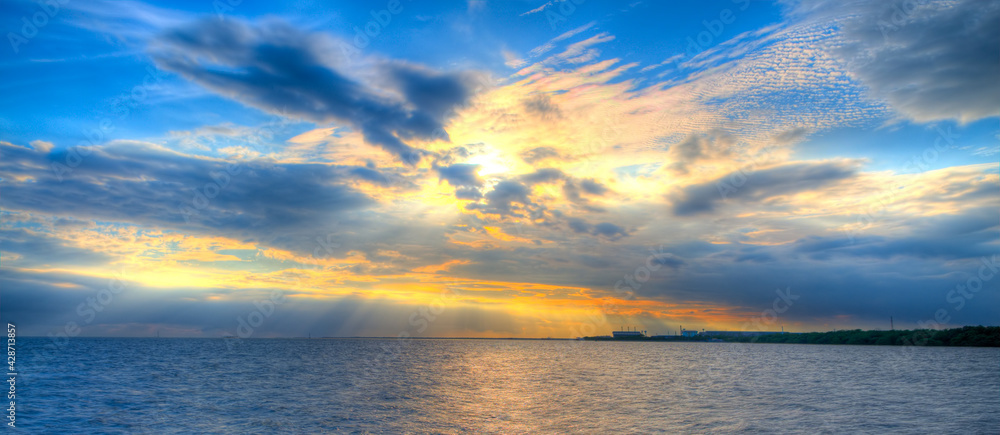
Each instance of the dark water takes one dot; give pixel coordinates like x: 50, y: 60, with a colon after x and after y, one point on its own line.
x: 392, y: 386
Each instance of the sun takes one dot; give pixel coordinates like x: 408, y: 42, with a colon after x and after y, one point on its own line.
x: 491, y: 163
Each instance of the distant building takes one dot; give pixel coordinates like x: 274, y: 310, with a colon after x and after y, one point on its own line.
x: 689, y: 333
x: 629, y: 332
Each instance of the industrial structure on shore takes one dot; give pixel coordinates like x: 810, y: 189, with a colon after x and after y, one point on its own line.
x: 633, y: 333
x: 629, y: 333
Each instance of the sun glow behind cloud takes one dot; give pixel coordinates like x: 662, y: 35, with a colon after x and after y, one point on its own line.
x: 553, y: 183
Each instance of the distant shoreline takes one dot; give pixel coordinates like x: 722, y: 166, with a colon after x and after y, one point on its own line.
x: 968, y: 336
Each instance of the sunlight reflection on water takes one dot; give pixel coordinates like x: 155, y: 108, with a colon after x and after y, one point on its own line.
x: 262, y: 386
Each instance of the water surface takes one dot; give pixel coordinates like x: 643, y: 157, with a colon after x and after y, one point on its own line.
x: 309, y: 386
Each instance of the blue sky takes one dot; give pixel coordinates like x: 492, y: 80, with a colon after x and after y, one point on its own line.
x: 523, y: 157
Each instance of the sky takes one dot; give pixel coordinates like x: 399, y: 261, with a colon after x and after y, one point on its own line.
x: 497, y: 168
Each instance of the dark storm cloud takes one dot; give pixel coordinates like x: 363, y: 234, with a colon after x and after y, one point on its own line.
x: 280, y: 69
x: 132, y: 182
x: 930, y: 60
x: 759, y: 185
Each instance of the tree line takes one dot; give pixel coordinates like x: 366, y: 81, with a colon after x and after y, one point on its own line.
x: 979, y: 336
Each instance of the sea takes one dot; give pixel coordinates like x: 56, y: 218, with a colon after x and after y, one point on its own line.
x: 179, y: 385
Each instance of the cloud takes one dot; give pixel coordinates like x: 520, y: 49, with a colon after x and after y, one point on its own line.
x: 578, y: 225
x: 460, y: 175
x: 790, y: 136
x: 592, y: 133
x: 513, y: 197
x: 538, y: 9
x: 700, y: 147
x: 574, y: 191
x: 604, y: 229
x: 544, y: 175
x: 277, y: 68
x: 593, y: 187
x: 949, y: 237
x: 823, y: 248
x: 40, y: 303
x: 609, y: 230
x: 756, y: 257
x: 143, y: 184
x: 575, y: 53
x: 509, y: 197
x: 672, y: 59
x: 551, y: 44
x: 539, y: 154
x: 468, y: 193
x: 34, y: 250
x: 371, y: 175
x: 759, y: 185
x: 912, y: 289
x: 930, y: 60
x: 541, y: 105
